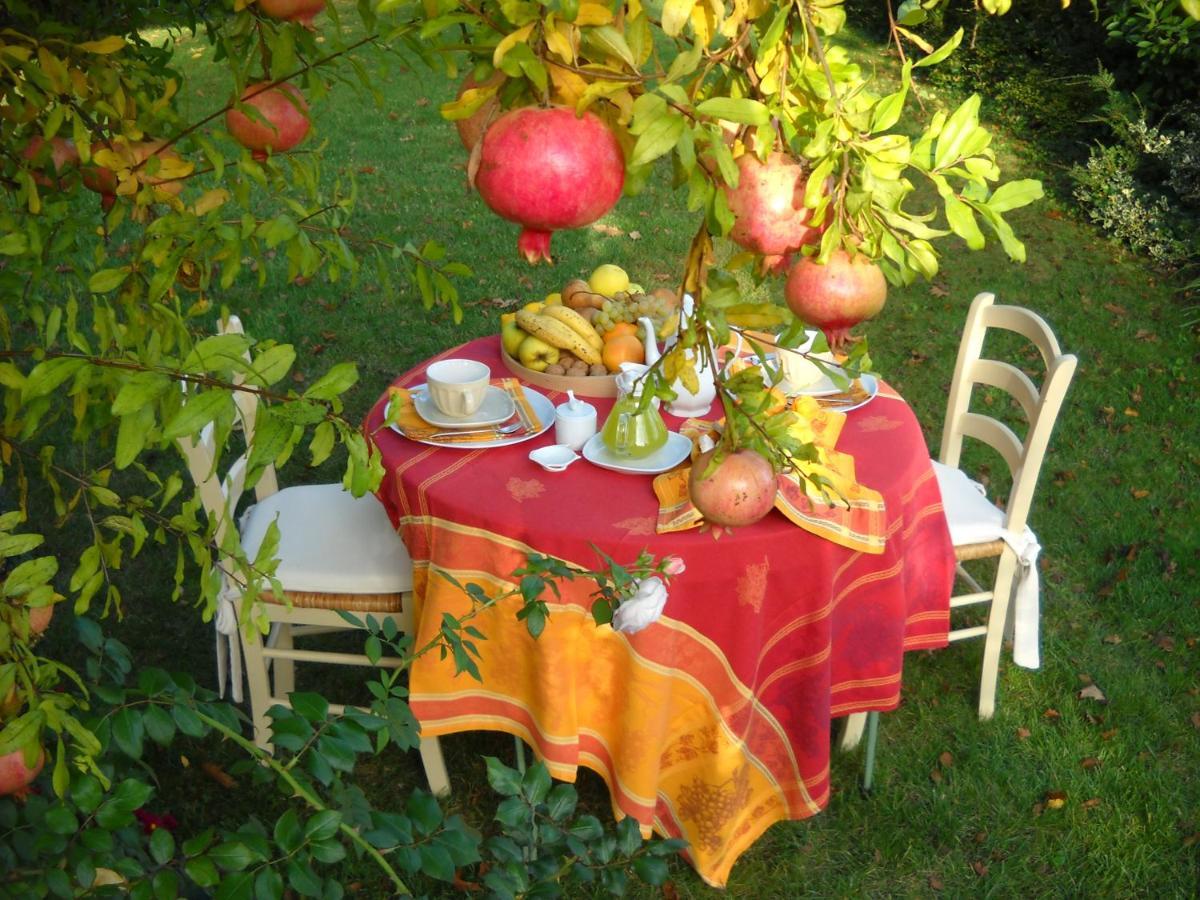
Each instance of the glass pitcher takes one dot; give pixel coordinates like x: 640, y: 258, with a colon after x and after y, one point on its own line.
x: 633, y: 430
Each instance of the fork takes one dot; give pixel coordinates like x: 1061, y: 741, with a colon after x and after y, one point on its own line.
x: 499, y: 430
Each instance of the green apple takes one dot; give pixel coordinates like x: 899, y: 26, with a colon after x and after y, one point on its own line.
x: 536, y: 354
x: 511, y: 335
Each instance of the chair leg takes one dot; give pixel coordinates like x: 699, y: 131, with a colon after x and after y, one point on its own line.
x: 284, y: 669
x: 260, y: 688
x: 994, y: 642
x: 435, y: 767
x: 869, y: 759
x: 852, y: 731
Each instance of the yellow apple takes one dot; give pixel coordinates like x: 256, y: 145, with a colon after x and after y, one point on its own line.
x: 554, y: 299
x: 608, y: 280
x: 534, y: 307
x: 536, y: 354
x: 511, y: 334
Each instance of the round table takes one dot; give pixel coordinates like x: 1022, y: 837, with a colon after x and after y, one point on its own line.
x: 712, y: 723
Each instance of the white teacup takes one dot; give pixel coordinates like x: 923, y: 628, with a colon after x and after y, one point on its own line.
x: 798, y: 369
x: 457, y: 386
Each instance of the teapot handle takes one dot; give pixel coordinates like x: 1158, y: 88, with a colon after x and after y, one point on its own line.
x: 649, y: 345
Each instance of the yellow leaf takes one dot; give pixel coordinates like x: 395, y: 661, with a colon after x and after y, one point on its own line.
x: 593, y: 14
x: 559, y: 40
x: 675, y: 15
x: 568, y: 86
x: 104, y: 46
x: 635, y: 9
x: 509, y: 41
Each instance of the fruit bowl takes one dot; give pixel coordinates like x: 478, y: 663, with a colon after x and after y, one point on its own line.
x: 582, y: 385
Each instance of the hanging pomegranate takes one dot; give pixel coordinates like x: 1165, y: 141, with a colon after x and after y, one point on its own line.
x: 548, y: 169
x: 302, y: 11
x: 133, y: 155
x: 284, y: 120
x: 58, y: 151
x: 837, y: 295
x: 770, y: 217
x: 739, y: 491
x: 471, y: 129
x: 15, y: 776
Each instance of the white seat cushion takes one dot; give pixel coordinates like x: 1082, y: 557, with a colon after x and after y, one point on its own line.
x: 330, y: 541
x: 973, y: 519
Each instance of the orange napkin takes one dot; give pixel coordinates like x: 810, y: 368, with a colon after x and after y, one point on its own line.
x: 413, y: 427
x: 844, y: 512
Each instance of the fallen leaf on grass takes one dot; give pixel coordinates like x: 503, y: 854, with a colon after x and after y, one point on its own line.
x: 980, y: 869
x: 1055, y: 799
x: 1112, y: 639
x: 1092, y: 803
x: 1116, y: 310
x: 610, y: 230
x: 980, y: 837
x: 935, y: 883
x: 1052, y: 714
x: 1023, y: 734
x: 1092, y: 692
x: 1166, y: 643
x: 946, y: 759
x: 1130, y: 411
x: 1196, y: 719
x: 1192, y: 839
x: 1144, y: 335
x: 635, y: 235
x: 936, y: 776
x: 1109, y: 735
x: 1139, y: 493
x: 939, y: 290
x: 669, y: 892
x: 1090, y: 762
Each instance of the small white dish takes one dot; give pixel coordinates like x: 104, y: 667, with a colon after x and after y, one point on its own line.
x: 554, y: 458
x: 819, y: 388
x: 497, y: 407
x: 869, y: 383
x: 672, y: 453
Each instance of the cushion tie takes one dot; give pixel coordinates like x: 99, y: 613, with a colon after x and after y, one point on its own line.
x: 1026, y: 598
x: 229, y: 650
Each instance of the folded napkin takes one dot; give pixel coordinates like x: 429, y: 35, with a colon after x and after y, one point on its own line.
x: 840, y: 510
x: 409, y: 422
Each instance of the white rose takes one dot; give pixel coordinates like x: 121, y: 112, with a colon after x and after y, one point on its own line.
x: 643, y: 608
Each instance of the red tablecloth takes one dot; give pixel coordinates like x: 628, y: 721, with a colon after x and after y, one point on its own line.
x: 714, y: 722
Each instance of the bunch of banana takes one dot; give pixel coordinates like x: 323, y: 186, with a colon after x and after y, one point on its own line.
x: 563, y: 328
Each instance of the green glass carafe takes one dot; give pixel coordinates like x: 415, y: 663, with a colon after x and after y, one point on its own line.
x: 631, y: 429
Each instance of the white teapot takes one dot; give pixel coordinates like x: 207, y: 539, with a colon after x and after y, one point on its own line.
x: 686, y: 404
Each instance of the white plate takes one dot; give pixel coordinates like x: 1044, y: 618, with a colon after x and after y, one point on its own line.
x: 869, y: 383
x: 825, y: 385
x: 497, y: 406
x: 672, y: 453
x: 542, y: 408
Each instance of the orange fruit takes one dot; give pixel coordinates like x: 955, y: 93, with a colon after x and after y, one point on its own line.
x: 622, y: 348
x: 621, y: 328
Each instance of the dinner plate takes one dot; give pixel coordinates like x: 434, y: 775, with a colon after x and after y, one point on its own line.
x: 672, y: 453
x: 542, y: 408
x: 497, y: 407
x: 869, y: 383
x: 819, y: 388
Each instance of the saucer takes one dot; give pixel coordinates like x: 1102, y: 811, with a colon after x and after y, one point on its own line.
x: 672, y: 453
x: 497, y: 407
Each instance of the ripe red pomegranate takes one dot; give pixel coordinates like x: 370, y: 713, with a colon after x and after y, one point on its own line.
x: 836, y: 296
x: 15, y: 776
x: 471, y: 129
x: 546, y: 169
x: 770, y: 217
x: 739, y: 491
x: 104, y: 181
x: 302, y: 11
x: 58, y: 151
x: 285, y: 111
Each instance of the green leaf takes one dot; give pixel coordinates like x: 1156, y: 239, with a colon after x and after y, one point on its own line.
x: 609, y: 40
x: 127, y: 731
x: 303, y: 879
x: 202, y: 871
x: 744, y: 110
x: 139, y: 390
x: 288, y: 834
x: 958, y: 128
x: 310, y: 706
x: 536, y: 783
x: 272, y: 365
x: 910, y: 13
x: 108, y: 279
x: 504, y: 781
x: 13, y: 244
x: 323, y: 825
x: 659, y: 138
x: 962, y: 222
x: 48, y: 375
x: 943, y: 51
x: 675, y: 15
x: 1015, y: 194
x: 424, y: 810
x: 436, y: 862
x: 60, y: 820
x: 337, y: 380
x: 650, y: 869
x: 198, y: 411
x: 232, y: 856
x: 162, y: 845
x: 1191, y: 7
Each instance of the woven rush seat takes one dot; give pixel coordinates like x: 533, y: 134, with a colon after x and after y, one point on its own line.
x: 985, y: 550
x: 355, y: 603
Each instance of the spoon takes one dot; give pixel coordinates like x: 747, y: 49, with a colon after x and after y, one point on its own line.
x: 499, y: 430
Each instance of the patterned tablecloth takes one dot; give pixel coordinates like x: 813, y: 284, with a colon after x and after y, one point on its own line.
x: 713, y: 723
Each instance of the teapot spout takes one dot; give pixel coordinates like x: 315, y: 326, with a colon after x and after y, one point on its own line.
x: 649, y: 345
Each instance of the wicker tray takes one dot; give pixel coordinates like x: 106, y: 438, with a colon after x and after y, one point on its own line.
x: 583, y: 386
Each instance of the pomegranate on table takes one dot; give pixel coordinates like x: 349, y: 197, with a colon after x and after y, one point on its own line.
x: 770, y: 217
x: 285, y: 112
x: 837, y: 295
x: 547, y: 169
x: 302, y: 11
x: 739, y: 491
x: 15, y: 776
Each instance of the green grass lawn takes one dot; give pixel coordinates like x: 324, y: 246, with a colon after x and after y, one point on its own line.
x: 959, y: 807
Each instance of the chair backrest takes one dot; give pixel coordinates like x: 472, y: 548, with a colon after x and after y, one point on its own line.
x: 1040, y: 406
x: 221, y: 493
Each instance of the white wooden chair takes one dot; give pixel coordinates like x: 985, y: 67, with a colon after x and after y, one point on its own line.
x: 978, y: 528
x: 336, y: 552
